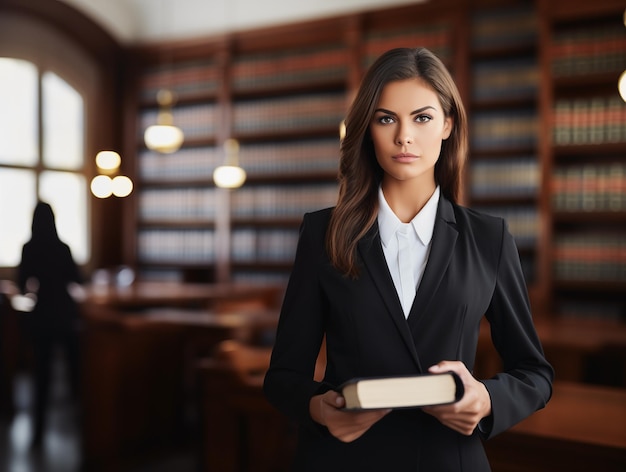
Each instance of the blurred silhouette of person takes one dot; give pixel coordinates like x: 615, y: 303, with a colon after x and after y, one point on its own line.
x: 47, y: 269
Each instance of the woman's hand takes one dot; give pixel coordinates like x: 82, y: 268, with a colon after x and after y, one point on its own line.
x: 464, y: 415
x: 344, y: 425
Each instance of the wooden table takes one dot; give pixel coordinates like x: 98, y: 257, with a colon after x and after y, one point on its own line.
x: 580, y: 350
x: 139, y: 376
x: 144, y: 294
x: 583, y: 428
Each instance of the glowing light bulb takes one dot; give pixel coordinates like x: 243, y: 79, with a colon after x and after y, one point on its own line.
x: 108, y: 160
x: 102, y: 186
x: 122, y: 186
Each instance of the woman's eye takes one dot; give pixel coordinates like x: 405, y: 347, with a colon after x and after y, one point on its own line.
x: 385, y: 120
x: 423, y: 118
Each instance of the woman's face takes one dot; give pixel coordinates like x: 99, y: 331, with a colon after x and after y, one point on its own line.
x: 407, y: 130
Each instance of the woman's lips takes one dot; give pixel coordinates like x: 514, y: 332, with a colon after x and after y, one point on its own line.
x: 404, y: 157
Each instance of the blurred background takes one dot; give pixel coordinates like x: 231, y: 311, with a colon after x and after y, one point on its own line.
x: 179, y: 143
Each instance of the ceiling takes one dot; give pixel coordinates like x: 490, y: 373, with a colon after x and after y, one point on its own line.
x: 143, y: 21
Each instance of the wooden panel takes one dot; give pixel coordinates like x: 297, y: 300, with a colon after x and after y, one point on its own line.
x: 582, y: 428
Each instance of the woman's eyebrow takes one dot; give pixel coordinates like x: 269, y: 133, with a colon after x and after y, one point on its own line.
x: 414, y: 112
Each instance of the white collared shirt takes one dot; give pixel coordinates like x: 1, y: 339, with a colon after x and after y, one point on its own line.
x: 419, y: 231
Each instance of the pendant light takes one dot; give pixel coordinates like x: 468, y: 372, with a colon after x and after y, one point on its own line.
x: 230, y: 175
x: 164, y: 137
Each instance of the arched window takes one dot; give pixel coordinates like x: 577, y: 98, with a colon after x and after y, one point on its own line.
x: 60, y: 103
x: 42, y: 156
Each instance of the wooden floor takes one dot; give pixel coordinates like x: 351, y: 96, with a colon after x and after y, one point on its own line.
x: 60, y: 451
x: 61, y: 448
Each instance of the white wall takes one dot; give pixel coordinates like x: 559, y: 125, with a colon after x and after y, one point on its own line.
x: 134, y: 21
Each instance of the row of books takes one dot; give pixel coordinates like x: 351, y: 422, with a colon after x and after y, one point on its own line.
x: 283, y: 68
x: 589, y: 120
x: 519, y: 176
x: 434, y: 36
x: 258, y: 159
x: 289, y: 113
x: 176, y: 245
x: 249, y: 202
x: 263, y: 245
x: 288, y: 68
x: 288, y: 201
x: 589, y: 50
x: 589, y: 187
x: 290, y: 157
x: 505, y: 79
x: 503, y: 27
x: 593, y: 257
x: 178, y: 204
x: 523, y: 222
x: 504, y: 129
x: 197, y: 77
x: 186, y: 163
x: 199, y: 120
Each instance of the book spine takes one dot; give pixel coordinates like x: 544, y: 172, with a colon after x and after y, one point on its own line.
x: 436, y: 37
x: 592, y: 120
x: 589, y: 50
x: 289, y: 114
x: 590, y: 257
x: 492, y: 130
x: 187, y: 78
x: 263, y: 245
x: 277, y: 70
x: 180, y: 204
x: 505, y: 177
x: 589, y: 187
x: 503, y: 27
x: 194, y: 120
x: 266, y: 202
x: 176, y: 246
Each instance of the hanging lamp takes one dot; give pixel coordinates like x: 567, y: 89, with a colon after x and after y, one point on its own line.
x: 164, y: 136
x: 230, y: 175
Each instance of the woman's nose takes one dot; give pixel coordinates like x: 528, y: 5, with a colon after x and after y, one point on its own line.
x: 402, y: 140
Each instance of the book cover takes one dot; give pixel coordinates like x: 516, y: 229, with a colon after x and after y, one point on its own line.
x: 410, y: 391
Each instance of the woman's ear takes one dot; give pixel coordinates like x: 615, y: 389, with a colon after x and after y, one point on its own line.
x: 448, y: 127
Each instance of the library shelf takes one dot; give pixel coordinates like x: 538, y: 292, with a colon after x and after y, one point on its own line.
x: 513, y: 62
x: 585, y: 157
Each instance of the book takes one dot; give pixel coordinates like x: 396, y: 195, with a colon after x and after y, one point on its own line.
x: 402, y: 392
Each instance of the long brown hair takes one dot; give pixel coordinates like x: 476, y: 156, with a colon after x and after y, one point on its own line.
x: 359, y: 172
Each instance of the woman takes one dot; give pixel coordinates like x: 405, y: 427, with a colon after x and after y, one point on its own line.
x: 47, y: 269
x: 400, y: 172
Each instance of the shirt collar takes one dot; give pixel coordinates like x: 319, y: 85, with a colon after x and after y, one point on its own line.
x: 423, y: 223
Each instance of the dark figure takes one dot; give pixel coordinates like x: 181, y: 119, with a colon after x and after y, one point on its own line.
x: 47, y: 269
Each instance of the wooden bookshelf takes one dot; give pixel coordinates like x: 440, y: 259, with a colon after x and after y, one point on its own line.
x: 284, y: 101
x: 283, y: 91
x: 504, y: 167
x: 584, y: 154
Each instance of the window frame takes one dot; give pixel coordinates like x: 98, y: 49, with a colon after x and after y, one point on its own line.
x: 57, y: 38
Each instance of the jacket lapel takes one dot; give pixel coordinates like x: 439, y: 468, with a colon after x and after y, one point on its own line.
x: 443, y: 241
x: 371, y: 252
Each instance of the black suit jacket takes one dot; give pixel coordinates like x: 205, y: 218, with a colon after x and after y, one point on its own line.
x: 473, y: 271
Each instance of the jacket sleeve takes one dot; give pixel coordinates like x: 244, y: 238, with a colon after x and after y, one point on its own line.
x: 525, y: 385
x: 289, y: 383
